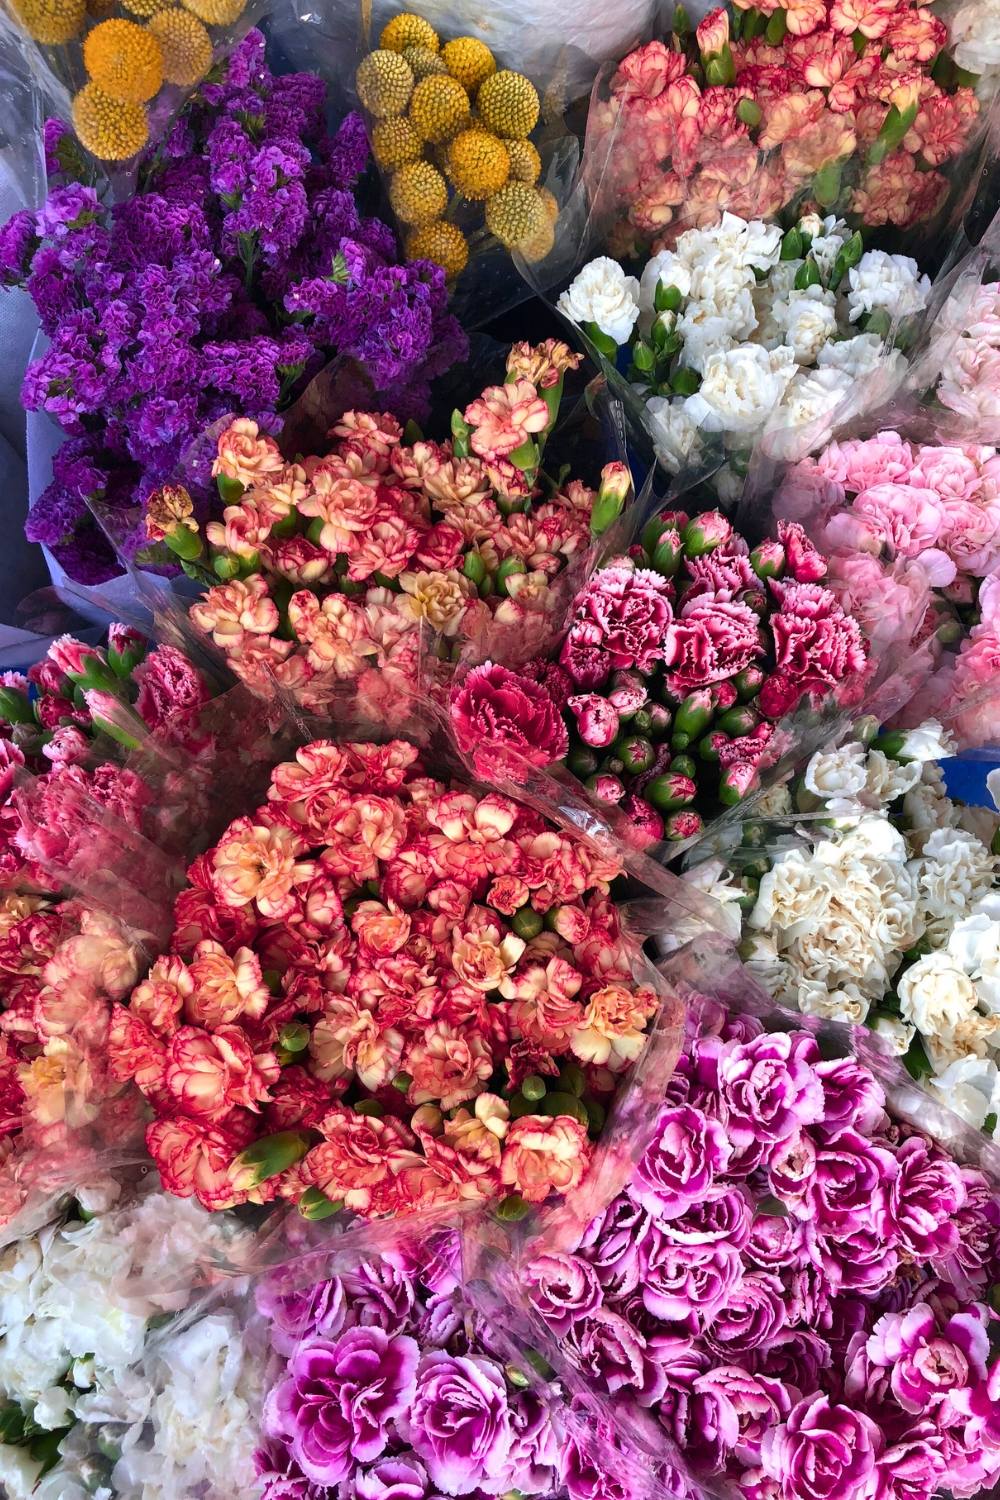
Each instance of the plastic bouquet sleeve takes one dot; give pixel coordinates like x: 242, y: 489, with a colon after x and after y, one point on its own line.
x: 120, y: 77
x: 684, y: 1302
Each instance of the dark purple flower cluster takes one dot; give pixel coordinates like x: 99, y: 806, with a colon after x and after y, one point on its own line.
x: 796, y: 1286
x: 239, y: 268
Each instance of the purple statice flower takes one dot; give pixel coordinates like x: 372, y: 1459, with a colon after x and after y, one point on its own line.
x: 239, y: 268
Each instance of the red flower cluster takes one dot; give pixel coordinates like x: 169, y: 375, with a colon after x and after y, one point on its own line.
x: 337, y: 565
x: 844, y: 105
x: 678, y: 661
x: 384, y: 993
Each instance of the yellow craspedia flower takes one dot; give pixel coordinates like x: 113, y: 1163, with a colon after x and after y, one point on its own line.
x: 395, y: 142
x: 439, y: 108
x: 112, y: 130
x: 185, y: 44
x: 216, y: 12
x: 508, y: 104
x: 537, y: 246
x: 469, y: 60
x: 408, y: 30
x: 144, y: 8
x: 443, y: 243
x: 384, y: 81
x: 423, y: 62
x: 515, y: 214
x: 50, y: 21
x: 98, y: 9
x: 525, y: 162
x: 478, y: 163
x: 124, y: 60
x: 418, y: 193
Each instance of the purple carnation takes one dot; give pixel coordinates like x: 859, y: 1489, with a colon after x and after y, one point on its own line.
x: 402, y: 1478
x: 752, y: 1315
x: 561, y: 1288
x: 459, y: 1423
x: 822, y: 1452
x: 681, y: 1283
x: 680, y: 1163
x: 927, y: 1192
x: 769, y: 1089
x: 333, y: 1406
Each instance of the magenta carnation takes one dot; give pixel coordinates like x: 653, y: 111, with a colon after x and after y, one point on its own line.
x: 498, y: 707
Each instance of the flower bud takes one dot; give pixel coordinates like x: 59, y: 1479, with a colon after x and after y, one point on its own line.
x: 791, y: 245
x: 533, y: 1087
x: 315, y: 1205
x: 705, y: 533
x: 666, y: 557
x: 509, y: 1210
x: 682, y: 825
x: 527, y: 923
x: 636, y: 753
x: 748, y: 682
x: 266, y: 1158
x: 126, y: 649
x: 712, y: 33
x: 749, y: 113
x: 114, y: 719
x: 660, y: 720
x: 596, y: 719
x: 737, y: 721
x: 684, y: 765
x: 724, y: 695
x: 615, y: 489
x: 710, y: 747
x: 474, y: 568
x: 695, y: 713
x: 647, y: 825
x: 460, y: 431
x: 582, y: 761
x: 735, y: 782
x: 607, y: 787
x: 668, y: 792
x: 509, y: 568
x: 768, y: 560
x: 628, y: 693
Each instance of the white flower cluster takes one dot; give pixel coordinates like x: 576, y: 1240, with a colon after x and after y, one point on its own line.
x: 893, y: 919
x: 81, y: 1346
x: 764, y: 352
x: 975, y: 35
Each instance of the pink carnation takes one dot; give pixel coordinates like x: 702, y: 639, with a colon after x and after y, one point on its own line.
x: 507, y: 709
x: 710, y: 641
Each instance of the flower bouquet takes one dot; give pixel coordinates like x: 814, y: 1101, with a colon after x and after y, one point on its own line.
x: 793, y: 1288
x: 912, y: 531
x: 678, y: 666
x: 872, y: 898
x: 239, y: 268
x: 386, y: 992
x: 741, y: 330
x: 391, y: 1334
x: 820, y: 105
x: 363, y: 563
x: 113, y: 1381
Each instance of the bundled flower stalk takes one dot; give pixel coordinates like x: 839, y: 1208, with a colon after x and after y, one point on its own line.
x: 104, y: 1388
x: 825, y: 105
x: 344, y: 566
x: 912, y: 531
x: 451, y: 1414
x: 678, y: 663
x: 455, y: 136
x: 741, y: 328
x: 239, y: 268
x: 888, y: 914
x: 384, y: 993
x: 794, y: 1285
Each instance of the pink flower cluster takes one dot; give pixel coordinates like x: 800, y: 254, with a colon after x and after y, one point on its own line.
x: 794, y: 1285
x: 61, y: 967
x: 970, y: 383
x: 913, y: 535
x: 677, y: 662
x: 386, y: 993
x: 68, y: 723
x: 831, y: 103
x: 339, y: 564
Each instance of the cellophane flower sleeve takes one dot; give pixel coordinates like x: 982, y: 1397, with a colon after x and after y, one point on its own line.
x: 797, y: 1213
x: 365, y: 909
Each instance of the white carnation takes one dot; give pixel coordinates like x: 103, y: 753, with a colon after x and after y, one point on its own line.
x: 936, y: 995
x: 808, y: 320
x: 746, y: 242
x: 975, y: 35
x: 993, y: 785
x: 836, y: 773
x: 974, y: 944
x: 667, y: 267
x: 715, y: 322
x: 970, y: 1087
x: 929, y: 741
x: 601, y: 293
x: 896, y: 1033
x: 18, y: 1473
x: 888, y: 779
x: 847, y: 1004
x: 675, y: 437
x: 739, y: 388
x: 892, y: 283
x: 829, y: 237
x: 814, y: 403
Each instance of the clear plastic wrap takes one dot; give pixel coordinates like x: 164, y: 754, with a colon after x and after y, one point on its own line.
x: 732, y: 1303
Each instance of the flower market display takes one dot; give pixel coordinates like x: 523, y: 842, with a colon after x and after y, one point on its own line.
x: 859, y: 107
x: 739, y: 328
x: 454, y: 132
x: 500, y: 954
x: 240, y: 267
x: 890, y: 919
x: 678, y: 663
x: 793, y: 1284
x: 354, y: 563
